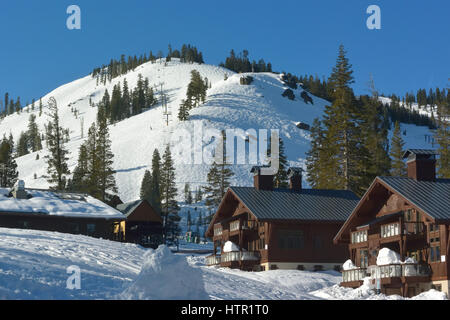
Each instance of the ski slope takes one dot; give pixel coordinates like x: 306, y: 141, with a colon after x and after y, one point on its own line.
x: 229, y: 105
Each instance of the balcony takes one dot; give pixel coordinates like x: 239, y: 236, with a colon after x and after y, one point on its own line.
x: 387, y: 271
x: 212, y: 260
x: 354, y: 275
x: 409, y: 228
x: 218, y: 231
x: 399, y: 270
x: 235, y: 226
x: 240, y: 256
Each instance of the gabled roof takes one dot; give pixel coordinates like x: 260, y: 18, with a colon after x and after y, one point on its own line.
x: 307, y: 204
x: 129, y: 207
x: 424, y: 152
x: 432, y: 197
x: 146, y: 213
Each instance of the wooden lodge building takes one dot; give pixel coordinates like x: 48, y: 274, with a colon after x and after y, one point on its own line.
x: 143, y: 225
x: 409, y: 215
x: 280, y: 228
x: 57, y: 211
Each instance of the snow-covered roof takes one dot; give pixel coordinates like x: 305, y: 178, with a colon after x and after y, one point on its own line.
x: 57, y: 204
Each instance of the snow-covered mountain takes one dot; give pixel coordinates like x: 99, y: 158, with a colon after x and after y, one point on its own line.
x: 229, y: 105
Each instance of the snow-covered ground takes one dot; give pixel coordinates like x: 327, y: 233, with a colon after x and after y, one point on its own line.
x: 34, y: 265
x: 229, y: 105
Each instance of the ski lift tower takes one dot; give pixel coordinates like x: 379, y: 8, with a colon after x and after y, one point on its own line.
x: 166, y: 111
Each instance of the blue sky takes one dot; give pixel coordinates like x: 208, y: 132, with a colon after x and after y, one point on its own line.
x: 411, y: 50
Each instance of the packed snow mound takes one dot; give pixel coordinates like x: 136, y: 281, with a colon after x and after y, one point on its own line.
x: 348, y: 265
x: 410, y: 260
x: 166, y: 276
x: 34, y: 265
x: 431, y: 295
x: 387, y: 256
x: 230, y: 247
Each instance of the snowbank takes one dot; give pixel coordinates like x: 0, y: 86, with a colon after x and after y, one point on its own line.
x: 387, y: 256
x: 348, y: 265
x: 230, y: 247
x: 166, y: 276
x: 431, y: 295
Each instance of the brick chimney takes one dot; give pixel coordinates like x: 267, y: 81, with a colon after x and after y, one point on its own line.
x: 295, y: 178
x: 261, y: 181
x: 421, y: 164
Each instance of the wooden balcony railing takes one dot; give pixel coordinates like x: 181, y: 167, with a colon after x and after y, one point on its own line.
x: 409, y: 228
x: 239, y: 256
x: 212, y: 260
x: 218, y: 231
x: 387, y: 271
x: 354, y: 275
x: 234, y: 226
x: 399, y: 270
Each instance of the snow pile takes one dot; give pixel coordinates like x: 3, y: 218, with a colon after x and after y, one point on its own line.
x: 348, y: 265
x: 387, y: 256
x: 230, y: 247
x: 165, y: 276
x: 431, y: 295
x: 410, y: 260
x: 33, y: 265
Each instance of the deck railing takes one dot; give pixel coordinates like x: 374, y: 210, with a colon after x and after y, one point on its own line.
x: 240, y: 256
x: 212, y: 260
x: 399, y: 270
x: 354, y: 275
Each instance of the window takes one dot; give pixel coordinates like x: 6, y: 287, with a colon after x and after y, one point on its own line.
x: 408, y: 215
x: 364, y: 258
x: 273, y: 267
x: 288, y: 239
x: 90, y: 228
x: 318, y: 267
x: 435, y: 254
x: 300, y: 267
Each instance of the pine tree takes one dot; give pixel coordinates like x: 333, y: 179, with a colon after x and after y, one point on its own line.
x: 198, y: 195
x: 92, y: 162
x: 80, y: 182
x: 106, y: 180
x: 183, y: 111
x: 57, y: 159
x: 155, y: 199
x: 398, y: 166
x: 219, y: 176
x: 169, y: 204
x: 22, y: 145
x: 8, y: 166
x: 146, y: 186
x: 315, y: 159
x: 374, y: 140
x: 442, y: 136
x: 281, y: 178
x: 189, y: 221
x: 40, y: 107
x: 34, y: 137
